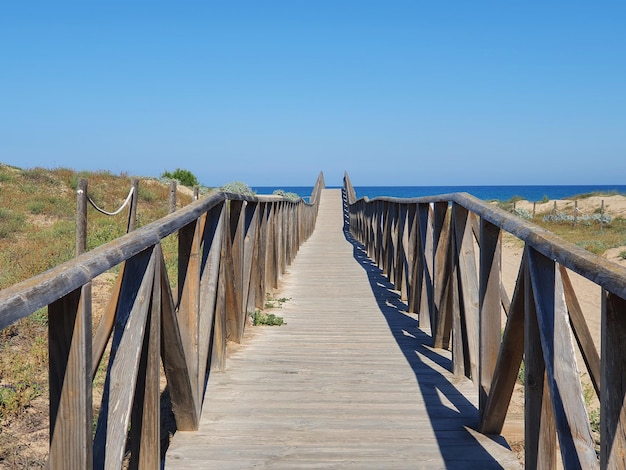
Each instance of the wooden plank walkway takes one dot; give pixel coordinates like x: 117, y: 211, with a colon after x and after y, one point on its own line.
x: 348, y: 382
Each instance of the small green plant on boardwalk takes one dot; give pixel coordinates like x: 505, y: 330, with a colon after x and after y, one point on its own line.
x: 272, y: 302
x: 268, y: 319
x: 260, y: 317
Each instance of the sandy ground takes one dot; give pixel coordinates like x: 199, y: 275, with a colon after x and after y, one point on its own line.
x: 613, y: 205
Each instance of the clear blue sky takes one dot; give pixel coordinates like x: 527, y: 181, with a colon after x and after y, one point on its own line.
x: 270, y: 93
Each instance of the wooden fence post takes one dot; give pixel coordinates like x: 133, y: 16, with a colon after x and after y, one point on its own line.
x: 489, y: 307
x: 69, y: 346
x: 172, y: 196
x: 132, y: 216
x: 612, y: 406
x: 81, y: 217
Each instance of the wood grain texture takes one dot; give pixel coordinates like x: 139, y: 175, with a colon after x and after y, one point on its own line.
x: 489, y: 330
x: 581, y: 331
x: 613, y: 403
x: 570, y: 415
x: 539, y: 430
x: 467, y: 276
x: 349, y: 381
x: 509, y: 360
x: 183, y: 393
x: 119, y: 387
x: 69, y: 344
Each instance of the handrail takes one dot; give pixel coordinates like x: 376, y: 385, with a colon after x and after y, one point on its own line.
x: 232, y: 250
x: 426, y: 247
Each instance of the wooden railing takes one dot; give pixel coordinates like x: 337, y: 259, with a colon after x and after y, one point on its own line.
x: 426, y: 246
x: 231, y: 250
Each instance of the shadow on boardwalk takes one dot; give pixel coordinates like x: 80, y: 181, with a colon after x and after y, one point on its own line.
x: 451, y: 414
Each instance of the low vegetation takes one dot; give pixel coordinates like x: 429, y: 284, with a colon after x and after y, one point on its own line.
x: 237, y: 187
x: 37, y: 232
x: 597, y: 232
x: 260, y: 317
x: 269, y: 319
x: 287, y: 195
x: 184, y: 177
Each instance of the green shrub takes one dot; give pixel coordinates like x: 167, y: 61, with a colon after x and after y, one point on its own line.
x: 184, y: 177
x: 237, y: 187
x: 287, y: 195
x: 147, y: 195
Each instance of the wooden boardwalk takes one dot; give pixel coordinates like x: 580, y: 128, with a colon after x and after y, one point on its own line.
x: 348, y: 382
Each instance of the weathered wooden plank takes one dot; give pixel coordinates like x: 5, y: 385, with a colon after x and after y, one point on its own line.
x: 612, y: 397
x: 441, y: 268
x: 261, y: 284
x: 447, y: 304
x: 539, y: 429
x: 250, y: 252
x: 251, y: 257
x: 425, y: 285
x: 235, y: 268
x: 145, y: 429
x: 509, y: 360
x: 230, y: 276
x: 581, y: 331
x: 209, y: 279
x: 189, y: 243
x: 271, y: 266
x: 105, y: 326
x: 468, y: 289
x: 460, y: 359
x: 489, y: 329
x: 218, y: 333
x: 183, y: 393
x: 119, y: 388
x: 411, y: 250
x: 572, y: 422
x: 26, y: 297
x: 418, y: 268
x: 69, y: 345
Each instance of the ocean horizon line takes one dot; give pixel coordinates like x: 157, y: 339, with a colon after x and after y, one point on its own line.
x: 484, y: 192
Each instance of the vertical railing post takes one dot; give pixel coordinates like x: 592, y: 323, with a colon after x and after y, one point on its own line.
x: 613, y: 394
x: 489, y: 307
x: 69, y: 346
x: 539, y: 429
x: 132, y: 215
x: 172, y: 201
x: 468, y: 290
x: 81, y: 217
x: 70, y: 355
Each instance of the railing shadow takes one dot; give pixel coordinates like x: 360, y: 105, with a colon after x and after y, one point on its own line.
x: 456, y: 416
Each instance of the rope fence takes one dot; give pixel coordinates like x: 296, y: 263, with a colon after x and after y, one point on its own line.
x: 121, y: 208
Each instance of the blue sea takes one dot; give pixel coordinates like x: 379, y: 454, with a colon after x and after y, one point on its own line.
x: 487, y: 193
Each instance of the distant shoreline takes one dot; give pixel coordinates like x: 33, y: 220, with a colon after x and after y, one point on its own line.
x: 533, y: 193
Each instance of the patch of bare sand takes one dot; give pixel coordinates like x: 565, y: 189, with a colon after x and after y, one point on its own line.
x: 613, y: 205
